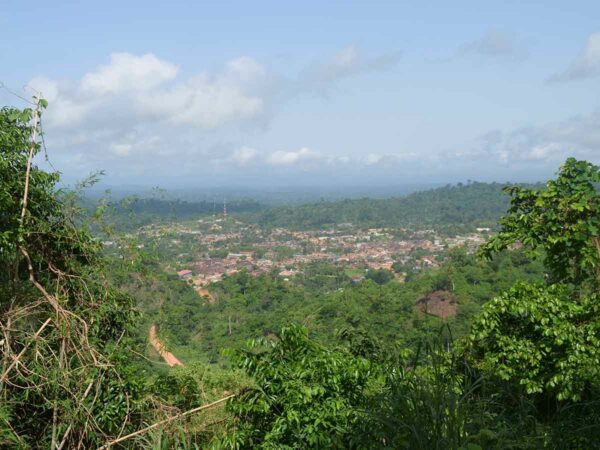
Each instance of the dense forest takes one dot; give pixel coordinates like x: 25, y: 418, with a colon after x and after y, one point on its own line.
x: 328, y: 302
x: 451, y: 209
x: 456, y: 209
x: 132, y: 212
x: 513, y: 363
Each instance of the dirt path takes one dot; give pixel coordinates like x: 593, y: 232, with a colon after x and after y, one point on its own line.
x: 169, y: 357
x: 205, y: 293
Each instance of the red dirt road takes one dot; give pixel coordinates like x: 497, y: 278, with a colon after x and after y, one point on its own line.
x: 169, y: 357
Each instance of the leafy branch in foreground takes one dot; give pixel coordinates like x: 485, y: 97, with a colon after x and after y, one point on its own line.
x: 306, y: 396
x: 541, y: 338
x: 66, y: 377
x: 562, y: 220
x: 545, y: 339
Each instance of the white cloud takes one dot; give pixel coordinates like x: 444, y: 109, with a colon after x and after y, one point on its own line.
x: 341, y: 160
x: 543, y: 152
x: 548, y: 144
x: 209, y: 101
x: 373, y: 158
x: 203, y: 102
x: 244, y: 156
x: 67, y: 110
x: 148, y: 90
x: 586, y: 65
x: 68, y: 113
x: 138, y: 111
x: 304, y: 155
x: 387, y: 159
x: 129, y: 72
x: 245, y: 69
x: 48, y: 88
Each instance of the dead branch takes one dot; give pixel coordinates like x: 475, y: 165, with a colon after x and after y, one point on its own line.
x: 38, y: 286
x: 165, y: 421
x: 17, y: 358
x: 66, y: 435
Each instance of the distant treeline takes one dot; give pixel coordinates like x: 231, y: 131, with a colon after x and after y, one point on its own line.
x: 455, y: 208
x: 451, y: 209
x: 181, y: 208
x: 131, y: 213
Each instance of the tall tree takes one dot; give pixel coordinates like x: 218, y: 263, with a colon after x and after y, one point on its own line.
x: 546, y: 338
x: 561, y: 221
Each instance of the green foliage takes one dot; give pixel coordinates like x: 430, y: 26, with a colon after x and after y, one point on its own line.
x: 539, y: 345
x: 561, y: 219
x: 546, y: 338
x: 15, y: 145
x: 67, y: 373
x: 306, y: 396
x: 355, y: 395
x: 373, y: 372
x: 283, y: 252
x: 132, y: 212
x: 195, y: 384
x: 427, y: 402
x: 182, y: 208
x: 535, y: 350
x: 323, y: 298
x: 450, y: 209
x: 540, y: 338
x: 379, y: 276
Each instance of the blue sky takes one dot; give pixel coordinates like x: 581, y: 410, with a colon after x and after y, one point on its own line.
x: 294, y: 93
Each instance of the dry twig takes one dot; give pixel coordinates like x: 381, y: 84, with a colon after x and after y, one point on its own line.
x: 165, y: 421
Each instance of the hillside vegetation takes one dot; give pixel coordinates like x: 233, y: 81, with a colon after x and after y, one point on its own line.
x: 457, y: 208
x: 452, y: 209
x: 326, y: 301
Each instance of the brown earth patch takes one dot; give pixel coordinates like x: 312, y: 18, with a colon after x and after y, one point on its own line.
x: 205, y: 293
x: 441, y: 304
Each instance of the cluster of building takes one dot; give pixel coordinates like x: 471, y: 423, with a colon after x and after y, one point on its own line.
x: 287, y: 252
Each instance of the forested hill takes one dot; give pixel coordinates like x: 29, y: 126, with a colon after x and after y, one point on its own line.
x: 130, y: 213
x: 456, y: 208
x: 449, y: 209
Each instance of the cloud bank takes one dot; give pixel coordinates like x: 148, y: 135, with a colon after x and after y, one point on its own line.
x: 135, y: 110
x: 546, y: 144
x: 142, y: 115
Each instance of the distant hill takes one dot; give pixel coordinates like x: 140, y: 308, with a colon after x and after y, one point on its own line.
x: 131, y: 213
x: 456, y: 208
x: 182, y: 208
x: 451, y: 209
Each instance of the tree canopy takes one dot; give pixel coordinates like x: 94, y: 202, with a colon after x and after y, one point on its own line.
x: 560, y: 220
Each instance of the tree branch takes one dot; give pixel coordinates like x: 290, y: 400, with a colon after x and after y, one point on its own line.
x: 163, y: 422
